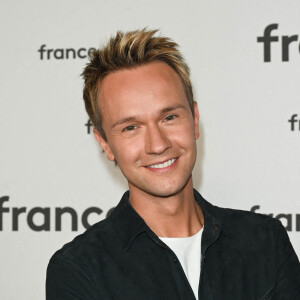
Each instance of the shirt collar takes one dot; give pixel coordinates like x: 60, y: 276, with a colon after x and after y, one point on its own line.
x: 129, y: 224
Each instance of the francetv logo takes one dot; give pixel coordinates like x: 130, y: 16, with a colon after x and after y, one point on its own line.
x: 272, y: 40
x: 40, y: 218
x: 47, y: 53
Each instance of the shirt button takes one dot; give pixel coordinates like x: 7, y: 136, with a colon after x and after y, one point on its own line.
x: 215, y: 227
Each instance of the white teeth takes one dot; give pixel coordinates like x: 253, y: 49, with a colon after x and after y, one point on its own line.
x: 163, y: 165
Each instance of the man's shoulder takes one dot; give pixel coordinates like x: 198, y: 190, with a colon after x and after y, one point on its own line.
x: 236, y: 215
x: 236, y: 220
x: 97, y: 238
x: 248, y: 224
x: 107, y: 236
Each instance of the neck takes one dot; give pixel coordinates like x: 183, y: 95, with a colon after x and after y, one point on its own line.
x: 176, y: 216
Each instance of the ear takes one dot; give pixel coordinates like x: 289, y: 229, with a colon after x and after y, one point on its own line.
x: 104, y: 144
x: 196, y: 120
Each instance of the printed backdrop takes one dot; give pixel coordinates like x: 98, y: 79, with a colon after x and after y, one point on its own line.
x: 55, y: 181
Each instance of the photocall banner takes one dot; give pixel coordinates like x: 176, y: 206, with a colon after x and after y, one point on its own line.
x: 54, y: 179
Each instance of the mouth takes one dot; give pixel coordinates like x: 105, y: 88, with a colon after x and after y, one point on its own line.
x: 164, y: 164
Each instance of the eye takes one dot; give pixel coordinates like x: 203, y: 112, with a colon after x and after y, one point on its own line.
x: 170, y: 117
x: 129, y: 128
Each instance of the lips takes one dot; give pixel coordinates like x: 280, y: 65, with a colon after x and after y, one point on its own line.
x: 165, y: 164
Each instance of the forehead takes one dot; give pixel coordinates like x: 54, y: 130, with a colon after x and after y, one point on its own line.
x: 146, y: 87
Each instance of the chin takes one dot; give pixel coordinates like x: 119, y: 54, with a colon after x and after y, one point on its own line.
x: 166, y: 190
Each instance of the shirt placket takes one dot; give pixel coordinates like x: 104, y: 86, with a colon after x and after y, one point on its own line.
x: 184, y: 288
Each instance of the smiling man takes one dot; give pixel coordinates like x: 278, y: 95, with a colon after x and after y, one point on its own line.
x: 163, y: 240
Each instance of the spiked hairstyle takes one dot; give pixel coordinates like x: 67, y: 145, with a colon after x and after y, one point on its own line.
x: 128, y: 50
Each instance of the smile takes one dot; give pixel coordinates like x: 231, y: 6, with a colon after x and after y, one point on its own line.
x: 164, y: 164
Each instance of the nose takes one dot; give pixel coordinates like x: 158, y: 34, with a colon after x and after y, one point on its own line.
x: 156, y: 141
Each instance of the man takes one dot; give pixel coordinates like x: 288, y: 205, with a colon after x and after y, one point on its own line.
x: 163, y: 240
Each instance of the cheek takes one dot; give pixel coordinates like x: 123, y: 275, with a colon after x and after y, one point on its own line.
x: 127, y: 151
x: 184, y: 135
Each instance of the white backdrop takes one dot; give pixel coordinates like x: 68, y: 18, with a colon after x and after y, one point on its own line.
x: 248, y: 154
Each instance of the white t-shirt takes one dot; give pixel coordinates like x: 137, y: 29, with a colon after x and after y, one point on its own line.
x: 188, y: 251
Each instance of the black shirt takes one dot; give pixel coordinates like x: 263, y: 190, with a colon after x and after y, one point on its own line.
x: 244, y: 256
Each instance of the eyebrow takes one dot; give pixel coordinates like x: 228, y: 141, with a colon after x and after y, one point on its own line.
x: 125, y: 120
x: 135, y: 119
x: 171, y: 108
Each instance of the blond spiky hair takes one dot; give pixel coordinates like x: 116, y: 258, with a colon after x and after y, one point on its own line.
x: 128, y: 50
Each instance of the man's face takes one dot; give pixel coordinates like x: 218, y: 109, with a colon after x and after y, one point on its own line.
x: 149, y: 127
